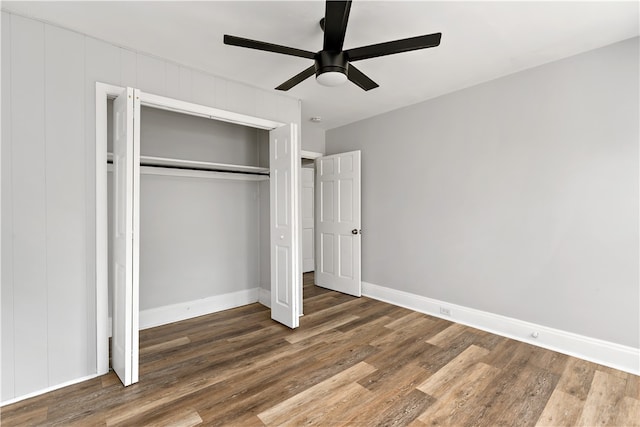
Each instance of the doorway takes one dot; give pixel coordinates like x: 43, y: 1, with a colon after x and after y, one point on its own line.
x: 307, y: 210
x: 331, y: 221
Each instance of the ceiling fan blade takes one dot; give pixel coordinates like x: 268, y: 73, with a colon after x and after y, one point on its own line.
x: 359, y: 78
x: 269, y: 47
x: 298, y: 78
x: 336, y: 17
x: 396, y: 46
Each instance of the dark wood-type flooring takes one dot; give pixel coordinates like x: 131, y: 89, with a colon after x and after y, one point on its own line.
x: 353, y: 361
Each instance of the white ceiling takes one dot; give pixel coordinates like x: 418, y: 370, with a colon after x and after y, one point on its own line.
x: 481, y: 41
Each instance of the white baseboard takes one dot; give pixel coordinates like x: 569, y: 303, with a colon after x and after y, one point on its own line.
x: 169, y: 314
x: 594, y: 350
x: 187, y: 310
x: 47, y: 390
x: 602, y: 352
x: 265, y: 297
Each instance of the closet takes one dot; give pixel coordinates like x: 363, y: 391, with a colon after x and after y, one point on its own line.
x: 203, y: 216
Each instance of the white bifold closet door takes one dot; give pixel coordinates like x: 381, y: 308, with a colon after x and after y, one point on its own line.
x: 284, y: 165
x: 126, y: 189
x: 338, y: 240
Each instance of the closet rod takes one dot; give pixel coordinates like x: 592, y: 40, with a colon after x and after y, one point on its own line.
x: 201, y: 169
x: 200, y: 166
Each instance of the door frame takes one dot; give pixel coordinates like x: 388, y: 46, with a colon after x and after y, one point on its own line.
x: 103, y: 93
x: 309, y: 155
x: 312, y: 170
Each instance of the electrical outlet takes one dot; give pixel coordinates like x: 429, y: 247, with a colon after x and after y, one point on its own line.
x: 445, y: 311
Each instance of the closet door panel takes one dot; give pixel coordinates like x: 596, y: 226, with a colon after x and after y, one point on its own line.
x: 285, y: 268
x: 125, y: 241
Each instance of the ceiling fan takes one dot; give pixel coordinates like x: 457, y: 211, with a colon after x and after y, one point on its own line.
x: 332, y: 65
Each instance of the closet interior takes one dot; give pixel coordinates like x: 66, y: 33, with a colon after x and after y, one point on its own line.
x: 204, y: 211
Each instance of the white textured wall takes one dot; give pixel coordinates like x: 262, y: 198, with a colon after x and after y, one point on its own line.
x: 48, y: 186
x: 517, y: 197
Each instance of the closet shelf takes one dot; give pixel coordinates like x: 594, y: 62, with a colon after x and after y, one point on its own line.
x: 197, y: 165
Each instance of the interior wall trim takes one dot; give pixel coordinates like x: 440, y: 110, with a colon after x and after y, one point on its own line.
x: 164, y: 315
x: 265, y: 297
x: 186, y: 310
x: 606, y: 353
x: 48, y: 389
x: 183, y: 107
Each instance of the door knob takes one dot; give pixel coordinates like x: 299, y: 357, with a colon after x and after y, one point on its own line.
x: 354, y: 231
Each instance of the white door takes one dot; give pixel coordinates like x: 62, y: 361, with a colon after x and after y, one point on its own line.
x: 307, y: 215
x: 284, y: 165
x: 338, y: 222
x: 126, y: 162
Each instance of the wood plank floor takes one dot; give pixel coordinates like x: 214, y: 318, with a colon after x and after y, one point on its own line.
x: 353, y: 361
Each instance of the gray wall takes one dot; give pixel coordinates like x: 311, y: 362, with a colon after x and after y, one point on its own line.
x: 48, y: 186
x: 199, y: 237
x: 168, y: 134
x: 313, y: 137
x: 517, y: 197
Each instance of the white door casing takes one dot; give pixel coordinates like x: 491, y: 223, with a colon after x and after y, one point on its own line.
x: 284, y: 165
x: 338, y: 228
x: 307, y: 218
x: 125, y: 236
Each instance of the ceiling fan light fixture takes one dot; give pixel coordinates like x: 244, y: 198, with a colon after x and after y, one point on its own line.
x: 331, y: 68
x: 331, y: 78
x: 332, y: 64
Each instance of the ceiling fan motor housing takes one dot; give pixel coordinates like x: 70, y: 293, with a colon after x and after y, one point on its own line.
x: 331, y: 62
